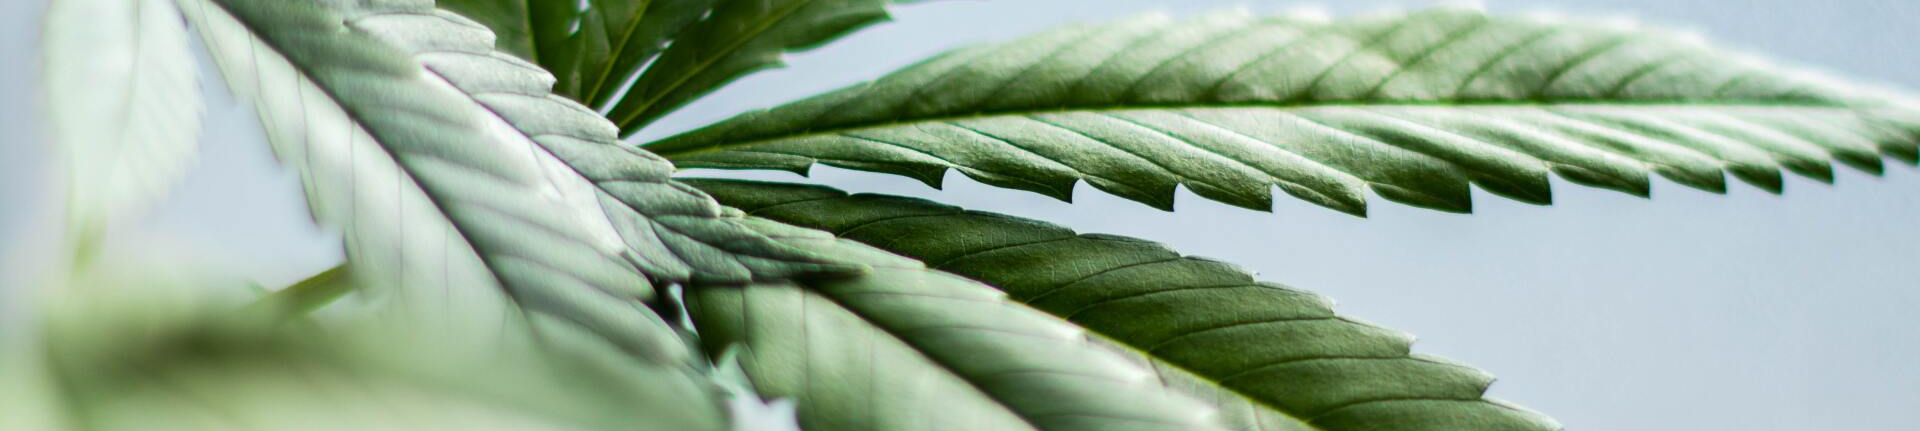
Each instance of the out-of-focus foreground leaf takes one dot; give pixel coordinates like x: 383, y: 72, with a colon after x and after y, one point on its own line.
x: 123, y: 103
x: 1268, y: 356
x: 143, y: 357
x: 1412, y: 106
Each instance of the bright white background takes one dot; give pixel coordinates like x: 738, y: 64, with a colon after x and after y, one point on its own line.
x: 1691, y: 311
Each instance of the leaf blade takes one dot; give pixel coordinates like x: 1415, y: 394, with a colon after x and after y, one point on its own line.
x: 464, y: 186
x: 739, y: 37
x: 591, y: 51
x: 904, y: 347
x: 1268, y: 356
x: 126, y: 137
x: 159, y: 356
x: 1415, y: 107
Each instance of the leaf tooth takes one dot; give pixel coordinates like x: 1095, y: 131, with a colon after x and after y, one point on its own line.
x: 1745, y: 162
x: 1165, y: 158
x: 1682, y: 165
x: 1637, y: 186
x: 1579, y: 163
x: 1458, y: 202
x: 1351, y: 203
x: 1847, y: 146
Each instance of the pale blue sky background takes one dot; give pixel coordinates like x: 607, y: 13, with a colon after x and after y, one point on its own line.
x: 1690, y: 311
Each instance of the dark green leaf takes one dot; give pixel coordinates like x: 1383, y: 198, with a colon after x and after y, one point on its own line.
x: 591, y: 51
x: 740, y: 37
x: 1269, y: 356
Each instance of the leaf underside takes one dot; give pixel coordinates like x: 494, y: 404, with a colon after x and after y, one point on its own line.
x: 907, y: 348
x: 1268, y: 356
x: 464, y: 187
x: 677, y: 232
x: 1414, y: 107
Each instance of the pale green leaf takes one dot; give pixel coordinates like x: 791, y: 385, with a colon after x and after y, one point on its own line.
x: 904, y: 347
x: 1268, y: 356
x: 129, y: 357
x: 124, y: 105
x: 737, y: 38
x: 1414, y: 107
x: 464, y: 187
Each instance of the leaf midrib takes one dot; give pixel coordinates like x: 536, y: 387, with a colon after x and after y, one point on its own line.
x: 666, y: 147
x: 439, y: 207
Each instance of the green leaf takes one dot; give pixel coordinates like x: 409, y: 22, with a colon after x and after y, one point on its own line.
x: 643, y: 40
x: 904, y: 347
x: 130, y: 358
x: 464, y: 187
x: 297, y: 301
x: 591, y: 51
x: 740, y: 37
x: 1414, y: 107
x: 1269, y: 356
x: 123, y: 104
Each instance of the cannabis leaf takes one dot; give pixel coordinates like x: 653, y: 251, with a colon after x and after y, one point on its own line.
x: 737, y: 38
x: 146, y: 357
x: 462, y: 184
x: 591, y: 51
x: 905, y: 347
x: 1268, y: 356
x: 124, y: 104
x: 673, y: 51
x: 1414, y: 107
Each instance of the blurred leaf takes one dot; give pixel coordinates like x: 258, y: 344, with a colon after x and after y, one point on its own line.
x: 124, y: 106
x: 164, y: 358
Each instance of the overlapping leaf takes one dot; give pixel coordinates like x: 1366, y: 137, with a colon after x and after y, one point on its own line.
x: 904, y: 347
x: 592, y: 51
x: 679, y: 49
x: 457, y: 176
x: 738, y: 37
x: 1414, y: 107
x: 1268, y: 356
